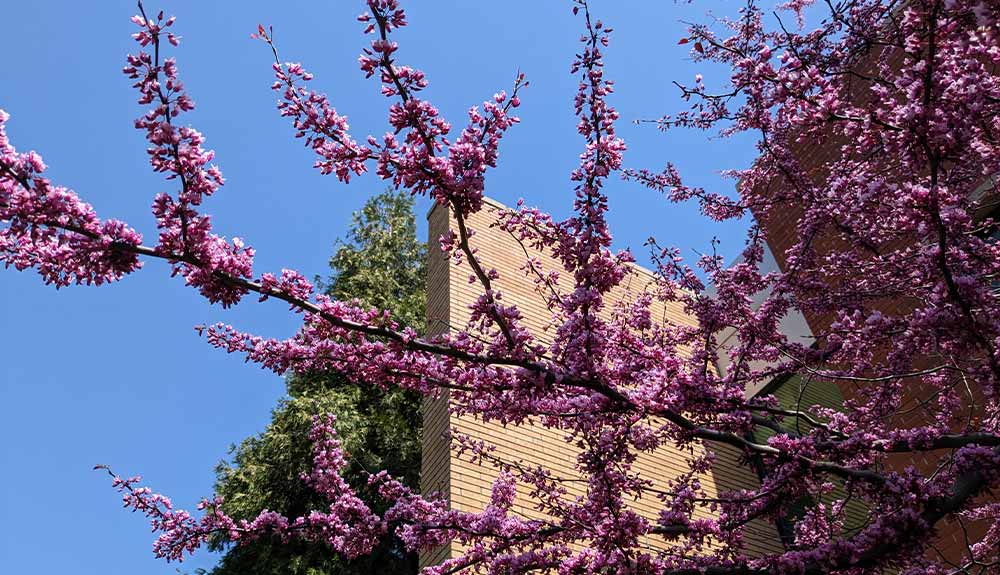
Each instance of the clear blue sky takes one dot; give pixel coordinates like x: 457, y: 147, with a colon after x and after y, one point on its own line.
x: 117, y: 375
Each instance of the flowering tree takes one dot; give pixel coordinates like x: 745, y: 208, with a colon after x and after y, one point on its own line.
x: 906, y: 92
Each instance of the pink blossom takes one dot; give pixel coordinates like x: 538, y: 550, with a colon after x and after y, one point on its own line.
x: 887, y: 253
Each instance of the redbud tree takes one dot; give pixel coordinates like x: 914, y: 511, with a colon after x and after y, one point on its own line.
x: 908, y: 95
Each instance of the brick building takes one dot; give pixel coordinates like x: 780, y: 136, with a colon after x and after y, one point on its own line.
x: 802, y: 391
x: 780, y: 229
x: 467, y: 486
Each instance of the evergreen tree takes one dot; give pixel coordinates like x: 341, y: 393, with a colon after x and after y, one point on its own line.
x: 382, y: 265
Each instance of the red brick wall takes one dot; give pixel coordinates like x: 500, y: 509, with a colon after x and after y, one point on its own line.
x: 780, y: 229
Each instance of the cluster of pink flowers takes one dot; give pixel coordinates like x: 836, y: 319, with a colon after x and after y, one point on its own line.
x: 317, y: 121
x: 48, y: 228
x: 348, y: 526
x: 186, y: 237
x: 889, y: 243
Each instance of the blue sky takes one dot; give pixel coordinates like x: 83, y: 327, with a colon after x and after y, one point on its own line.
x: 117, y: 375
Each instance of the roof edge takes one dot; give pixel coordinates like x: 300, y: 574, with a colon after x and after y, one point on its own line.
x: 500, y: 205
x: 486, y: 200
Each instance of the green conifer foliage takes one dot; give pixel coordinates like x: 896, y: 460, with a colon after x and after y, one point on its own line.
x: 381, y: 264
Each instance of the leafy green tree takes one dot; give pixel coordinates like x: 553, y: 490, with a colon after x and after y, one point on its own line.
x: 382, y: 265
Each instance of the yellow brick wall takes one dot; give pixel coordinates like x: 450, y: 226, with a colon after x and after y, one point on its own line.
x: 466, y: 485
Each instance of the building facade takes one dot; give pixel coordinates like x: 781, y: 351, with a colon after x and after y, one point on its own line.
x: 466, y: 485
x: 780, y: 229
